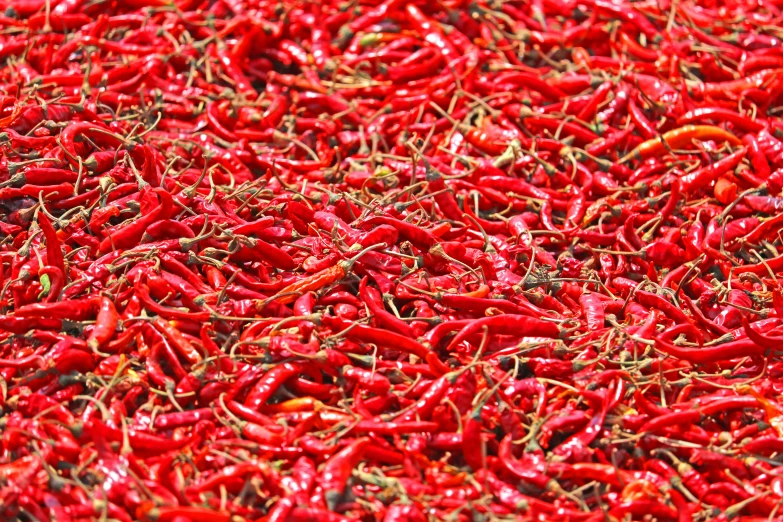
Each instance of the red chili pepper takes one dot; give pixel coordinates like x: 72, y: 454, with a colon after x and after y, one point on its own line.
x: 431, y: 32
x: 266, y: 386
x: 703, y: 177
x: 105, y: 325
x: 377, y: 336
x: 725, y: 352
x: 522, y: 472
x: 319, y: 280
x: 374, y: 302
x: 337, y: 470
x: 720, y: 114
x: 129, y: 236
x: 75, y: 310
x: 507, y: 324
x: 775, y: 264
x: 234, y: 71
x: 178, y: 341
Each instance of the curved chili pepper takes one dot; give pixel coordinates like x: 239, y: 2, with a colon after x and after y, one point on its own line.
x: 503, y: 324
x: 338, y: 468
x: 727, y: 351
x: 319, y: 280
x: 679, y: 138
x: 105, y: 324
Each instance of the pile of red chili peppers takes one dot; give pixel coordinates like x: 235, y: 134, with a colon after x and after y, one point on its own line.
x: 383, y: 261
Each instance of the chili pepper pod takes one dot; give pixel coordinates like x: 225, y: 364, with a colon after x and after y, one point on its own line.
x: 506, y: 323
x: 370, y: 381
x: 337, y: 470
x: 703, y: 177
x: 106, y: 324
x: 320, y: 279
x: 268, y: 384
x: 680, y: 137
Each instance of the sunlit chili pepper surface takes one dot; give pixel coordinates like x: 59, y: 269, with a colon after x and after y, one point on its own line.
x: 409, y: 260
